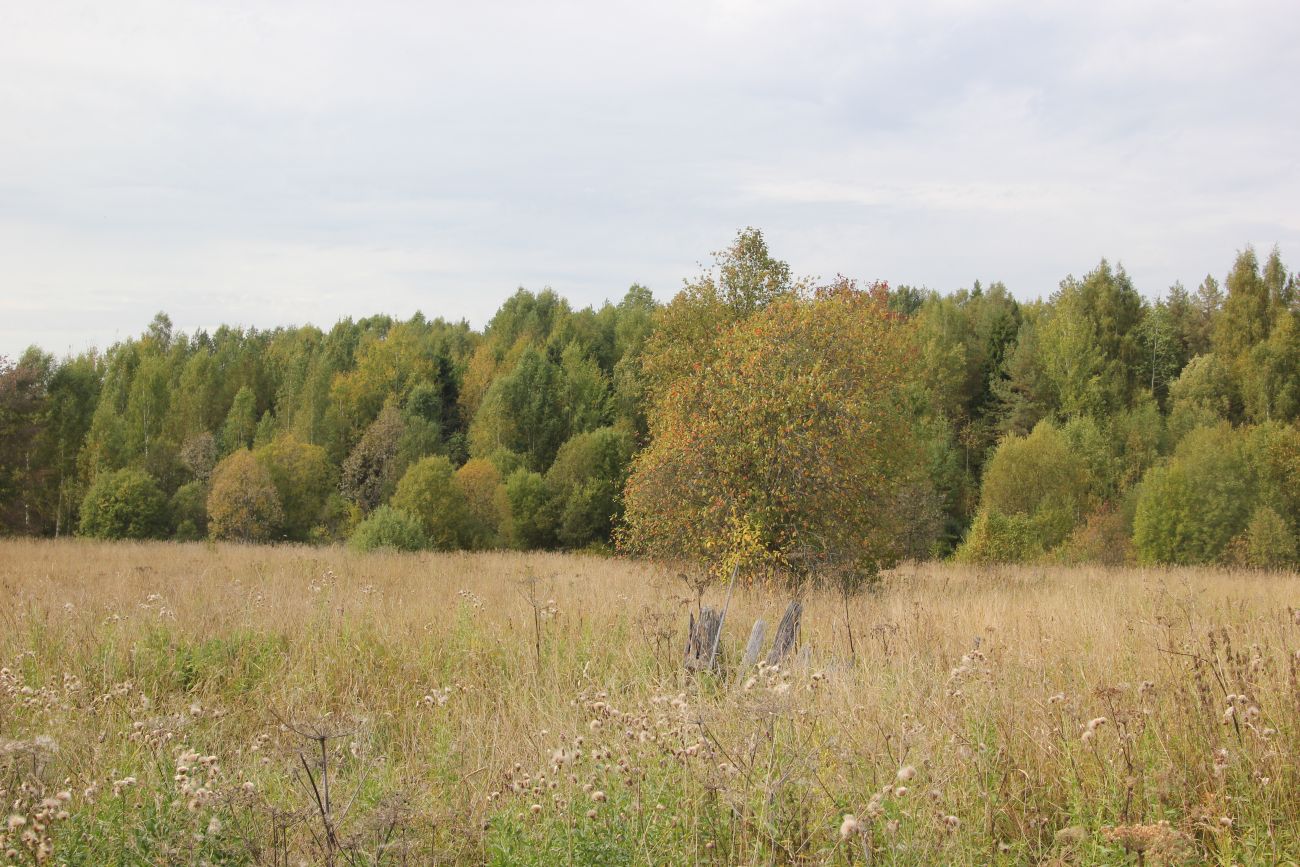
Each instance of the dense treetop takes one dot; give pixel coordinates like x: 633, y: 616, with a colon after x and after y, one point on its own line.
x: 753, y: 419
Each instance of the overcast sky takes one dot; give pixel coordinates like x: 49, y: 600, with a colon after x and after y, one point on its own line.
x: 269, y: 163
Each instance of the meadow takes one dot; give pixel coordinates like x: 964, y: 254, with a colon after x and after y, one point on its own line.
x: 166, y: 703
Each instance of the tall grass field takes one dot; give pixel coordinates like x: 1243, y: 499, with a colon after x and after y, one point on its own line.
x: 218, y: 704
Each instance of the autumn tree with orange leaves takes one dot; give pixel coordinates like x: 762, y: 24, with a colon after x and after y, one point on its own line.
x: 787, y: 447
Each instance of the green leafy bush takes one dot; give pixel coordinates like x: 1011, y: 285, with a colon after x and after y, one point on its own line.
x: 126, y: 504
x: 998, y: 538
x: 1270, y: 541
x: 1274, y: 453
x: 1189, y: 509
x: 428, y: 492
x: 303, y: 479
x: 1204, y: 394
x: 387, y: 527
x: 532, y: 516
x: 189, y: 508
x: 1041, y: 480
x: 586, y: 482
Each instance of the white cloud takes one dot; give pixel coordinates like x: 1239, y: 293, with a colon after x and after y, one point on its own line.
x: 276, y: 162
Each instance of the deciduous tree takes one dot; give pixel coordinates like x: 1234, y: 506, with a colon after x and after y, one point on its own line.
x: 303, y: 479
x: 787, y: 447
x: 372, y: 468
x: 241, y: 422
x: 243, y: 504
x: 485, y: 500
x: 22, y: 404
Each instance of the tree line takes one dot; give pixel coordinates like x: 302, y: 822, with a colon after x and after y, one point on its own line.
x: 755, y: 420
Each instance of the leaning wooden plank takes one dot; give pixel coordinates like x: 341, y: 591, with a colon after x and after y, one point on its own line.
x: 717, y: 636
x: 787, y: 633
x: 754, y: 646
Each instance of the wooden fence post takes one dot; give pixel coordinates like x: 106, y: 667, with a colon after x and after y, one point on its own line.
x: 787, y: 633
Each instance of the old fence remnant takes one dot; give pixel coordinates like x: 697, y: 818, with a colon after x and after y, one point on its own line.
x: 787, y: 633
x: 702, y: 639
x: 754, y: 646
x: 704, y: 634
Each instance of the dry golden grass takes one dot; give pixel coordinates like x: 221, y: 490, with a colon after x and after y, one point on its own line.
x: 1028, y: 715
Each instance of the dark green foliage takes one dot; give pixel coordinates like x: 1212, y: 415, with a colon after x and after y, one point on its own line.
x: 532, y: 511
x: 372, y: 469
x: 1274, y: 451
x: 71, y: 394
x: 525, y: 316
x: 950, y: 469
x: 241, y: 422
x: 411, y: 363
x: 1270, y: 373
x: 586, y: 390
x: 586, y: 485
x: 1246, y: 316
x: 524, y: 411
x: 189, y: 510
x: 1025, y: 393
x: 1204, y: 393
x: 21, y: 425
x: 126, y: 504
x: 1091, y: 347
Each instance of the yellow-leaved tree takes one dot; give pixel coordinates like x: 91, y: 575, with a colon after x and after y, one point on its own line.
x: 787, y: 447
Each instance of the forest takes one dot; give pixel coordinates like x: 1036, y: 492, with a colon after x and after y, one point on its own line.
x: 756, y: 420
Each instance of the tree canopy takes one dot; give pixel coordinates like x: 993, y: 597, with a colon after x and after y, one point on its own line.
x: 786, y: 444
x: 789, y: 428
